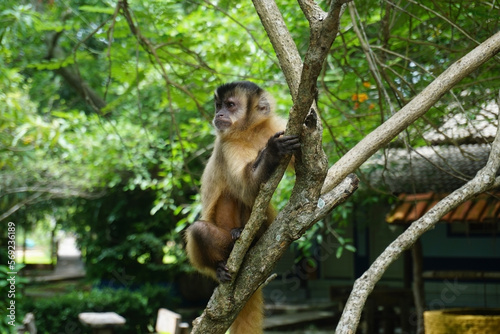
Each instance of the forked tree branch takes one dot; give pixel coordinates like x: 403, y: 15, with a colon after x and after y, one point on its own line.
x: 326, y: 28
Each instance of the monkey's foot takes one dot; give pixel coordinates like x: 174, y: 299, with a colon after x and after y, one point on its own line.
x: 236, y: 233
x: 222, y: 272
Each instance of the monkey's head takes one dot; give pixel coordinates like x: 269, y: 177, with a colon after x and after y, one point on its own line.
x: 239, y: 105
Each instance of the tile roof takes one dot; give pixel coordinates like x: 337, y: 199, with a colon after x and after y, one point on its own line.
x: 440, y: 169
x: 460, y: 148
x: 410, y: 207
x: 472, y: 127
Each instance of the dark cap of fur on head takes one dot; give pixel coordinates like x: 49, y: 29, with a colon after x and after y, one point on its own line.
x: 248, y: 86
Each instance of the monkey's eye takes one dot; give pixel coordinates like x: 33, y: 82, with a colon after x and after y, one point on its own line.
x: 218, y: 105
x: 230, y: 104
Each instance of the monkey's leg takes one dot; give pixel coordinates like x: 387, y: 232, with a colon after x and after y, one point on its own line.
x: 208, y: 247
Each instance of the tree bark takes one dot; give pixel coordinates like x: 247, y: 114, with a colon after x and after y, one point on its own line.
x: 82, y: 88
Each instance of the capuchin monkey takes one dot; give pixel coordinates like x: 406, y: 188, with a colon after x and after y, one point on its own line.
x: 248, y: 148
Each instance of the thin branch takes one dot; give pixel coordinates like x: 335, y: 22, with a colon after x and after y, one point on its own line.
x: 426, y: 43
x: 19, y: 205
x: 283, y: 44
x: 90, y: 96
x: 271, y: 57
x: 149, y: 47
x: 444, y: 18
x: 370, y: 56
x: 60, y: 192
x: 110, y: 33
x: 75, y: 80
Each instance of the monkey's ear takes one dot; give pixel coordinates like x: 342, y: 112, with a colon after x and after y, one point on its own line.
x: 265, y: 104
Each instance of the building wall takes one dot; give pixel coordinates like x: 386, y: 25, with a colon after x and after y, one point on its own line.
x: 448, y: 252
x: 371, y: 235
x: 439, y: 242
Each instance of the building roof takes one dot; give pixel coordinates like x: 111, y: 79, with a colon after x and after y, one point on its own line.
x: 460, y: 148
x: 472, y: 127
x: 482, y: 209
x: 439, y: 169
x: 423, y: 176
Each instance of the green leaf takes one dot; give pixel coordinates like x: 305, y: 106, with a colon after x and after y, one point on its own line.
x: 54, y: 26
x: 338, y: 254
x: 350, y: 248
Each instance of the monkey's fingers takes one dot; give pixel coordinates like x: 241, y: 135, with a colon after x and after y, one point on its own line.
x: 294, y: 147
x: 222, y: 272
x: 290, y: 143
x: 279, y: 134
x: 291, y: 138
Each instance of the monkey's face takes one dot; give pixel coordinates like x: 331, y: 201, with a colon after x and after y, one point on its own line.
x: 223, y: 110
x: 228, y: 110
x: 240, y: 105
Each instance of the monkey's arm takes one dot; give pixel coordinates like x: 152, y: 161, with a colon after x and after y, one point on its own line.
x: 248, y: 169
x: 269, y: 157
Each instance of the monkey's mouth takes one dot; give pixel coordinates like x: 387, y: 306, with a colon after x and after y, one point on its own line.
x: 222, y: 124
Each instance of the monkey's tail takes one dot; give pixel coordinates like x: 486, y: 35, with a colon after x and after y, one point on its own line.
x: 251, y: 317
